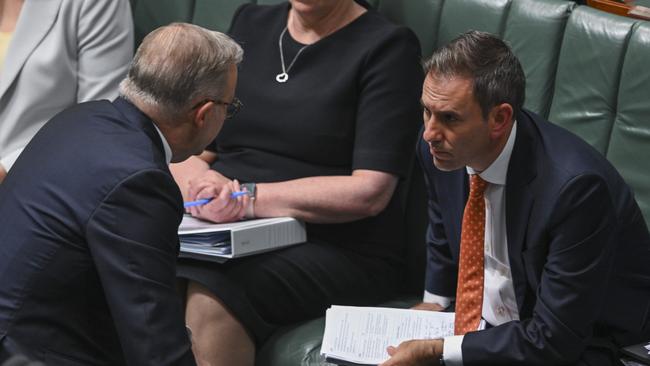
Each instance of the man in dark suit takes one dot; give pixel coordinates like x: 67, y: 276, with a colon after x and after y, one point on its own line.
x: 546, y: 255
x: 89, y: 213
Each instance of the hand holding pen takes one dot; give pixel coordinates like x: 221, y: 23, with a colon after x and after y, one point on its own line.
x: 225, y: 203
x: 204, y: 201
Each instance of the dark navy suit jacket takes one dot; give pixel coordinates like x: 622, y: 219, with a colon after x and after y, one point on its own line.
x: 88, y: 221
x: 578, y: 246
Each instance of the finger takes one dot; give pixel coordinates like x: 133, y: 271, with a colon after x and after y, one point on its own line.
x: 391, y: 350
x: 209, y: 210
x: 194, y: 190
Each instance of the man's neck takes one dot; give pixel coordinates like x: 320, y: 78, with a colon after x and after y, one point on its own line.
x: 494, y: 153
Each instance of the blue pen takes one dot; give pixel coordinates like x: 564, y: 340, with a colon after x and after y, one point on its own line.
x: 206, y: 200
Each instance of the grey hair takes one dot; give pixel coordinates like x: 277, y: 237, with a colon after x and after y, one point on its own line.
x: 496, y: 72
x: 179, y: 63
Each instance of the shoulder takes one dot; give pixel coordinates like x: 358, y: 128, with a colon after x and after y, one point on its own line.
x: 258, y: 15
x: 102, y: 135
x: 558, y: 149
x: 113, y: 10
x: 376, y: 32
x: 564, y: 160
x: 379, y: 26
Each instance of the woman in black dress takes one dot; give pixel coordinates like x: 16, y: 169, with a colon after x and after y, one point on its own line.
x: 331, y: 92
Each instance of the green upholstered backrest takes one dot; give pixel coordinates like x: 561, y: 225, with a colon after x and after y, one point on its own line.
x: 212, y: 14
x: 534, y: 30
x: 215, y: 15
x: 459, y: 16
x: 422, y: 16
x: 149, y: 15
x: 588, y: 74
x: 629, y: 143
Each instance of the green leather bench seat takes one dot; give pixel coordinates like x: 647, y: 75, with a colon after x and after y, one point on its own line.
x: 586, y: 71
x: 629, y: 143
x: 592, y: 53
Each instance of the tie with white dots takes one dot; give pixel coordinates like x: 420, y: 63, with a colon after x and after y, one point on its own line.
x: 469, y: 291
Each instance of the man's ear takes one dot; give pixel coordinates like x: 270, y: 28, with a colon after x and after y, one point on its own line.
x: 202, y: 114
x: 500, y: 119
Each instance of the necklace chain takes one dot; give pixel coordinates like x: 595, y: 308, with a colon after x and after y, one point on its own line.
x: 284, y: 75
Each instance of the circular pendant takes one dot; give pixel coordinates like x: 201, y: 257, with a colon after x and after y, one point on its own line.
x: 282, y: 77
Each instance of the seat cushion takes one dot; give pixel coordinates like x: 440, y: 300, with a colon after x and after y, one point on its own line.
x: 299, y: 345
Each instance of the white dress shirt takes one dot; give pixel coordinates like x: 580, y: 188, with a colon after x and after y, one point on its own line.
x: 166, y: 147
x: 499, y: 302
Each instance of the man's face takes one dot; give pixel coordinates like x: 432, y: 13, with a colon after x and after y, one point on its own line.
x: 454, y: 126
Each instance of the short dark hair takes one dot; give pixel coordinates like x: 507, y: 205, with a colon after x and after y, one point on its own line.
x: 487, y: 60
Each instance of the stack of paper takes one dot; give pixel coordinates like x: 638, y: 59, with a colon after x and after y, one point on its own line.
x: 360, y: 335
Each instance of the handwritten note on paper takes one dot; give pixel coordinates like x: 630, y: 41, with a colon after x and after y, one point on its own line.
x: 361, y: 334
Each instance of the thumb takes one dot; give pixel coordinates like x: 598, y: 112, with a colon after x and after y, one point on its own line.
x: 391, y: 350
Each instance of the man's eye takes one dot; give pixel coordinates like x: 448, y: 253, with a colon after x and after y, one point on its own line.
x: 448, y: 117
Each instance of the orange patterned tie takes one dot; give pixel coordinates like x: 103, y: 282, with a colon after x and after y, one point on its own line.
x: 469, y: 291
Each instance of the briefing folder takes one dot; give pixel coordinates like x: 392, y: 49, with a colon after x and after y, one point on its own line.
x: 220, y: 242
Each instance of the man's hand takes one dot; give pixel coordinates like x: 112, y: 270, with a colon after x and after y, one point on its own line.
x: 3, y: 173
x: 209, y: 180
x: 415, y: 353
x: 222, y: 208
x: 428, y: 306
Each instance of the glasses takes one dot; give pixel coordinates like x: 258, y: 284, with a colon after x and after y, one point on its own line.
x: 232, y: 108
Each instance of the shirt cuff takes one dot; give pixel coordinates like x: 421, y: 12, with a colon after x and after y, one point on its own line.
x: 430, y: 298
x: 452, y: 353
x: 9, y: 160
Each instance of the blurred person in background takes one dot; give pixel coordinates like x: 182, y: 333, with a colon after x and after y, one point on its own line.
x: 53, y: 55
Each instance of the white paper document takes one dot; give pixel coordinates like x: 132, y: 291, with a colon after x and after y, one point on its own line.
x: 360, y: 335
x: 219, y: 242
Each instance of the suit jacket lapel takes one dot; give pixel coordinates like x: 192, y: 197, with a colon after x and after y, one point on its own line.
x: 34, y: 22
x: 519, y: 200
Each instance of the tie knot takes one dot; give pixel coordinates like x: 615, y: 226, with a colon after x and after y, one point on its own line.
x: 476, y: 185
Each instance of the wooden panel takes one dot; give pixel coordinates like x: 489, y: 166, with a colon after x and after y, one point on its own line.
x: 623, y: 9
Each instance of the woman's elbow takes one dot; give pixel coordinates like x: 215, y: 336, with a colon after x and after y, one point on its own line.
x: 376, y: 203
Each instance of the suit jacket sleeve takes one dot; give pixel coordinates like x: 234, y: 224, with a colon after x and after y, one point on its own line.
x: 132, y: 237
x: 575, y: 252
x: 441, y: 270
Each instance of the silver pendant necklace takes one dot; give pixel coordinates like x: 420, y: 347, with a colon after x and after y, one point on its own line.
x: 284, y: 75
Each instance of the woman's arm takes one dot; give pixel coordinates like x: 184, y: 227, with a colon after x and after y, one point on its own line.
x: 321, y: 199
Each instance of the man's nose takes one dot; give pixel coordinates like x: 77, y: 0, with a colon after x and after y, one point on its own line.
x: 431, y: 133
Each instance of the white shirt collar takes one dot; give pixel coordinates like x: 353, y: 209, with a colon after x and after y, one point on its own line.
x: 497, y: 172
x: 166, y: 147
